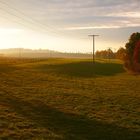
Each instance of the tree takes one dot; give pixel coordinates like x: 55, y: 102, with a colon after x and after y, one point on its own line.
x: 105, y: 54
x: 130, y: 48
x: 121, y: 53
x: 136, y: 57
x: 110, y: 54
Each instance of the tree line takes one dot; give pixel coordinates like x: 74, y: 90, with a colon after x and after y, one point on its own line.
x: 130, y: 54
x: 109, y: 54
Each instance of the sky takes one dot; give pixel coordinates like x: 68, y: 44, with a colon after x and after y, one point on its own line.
x: 64, y: 25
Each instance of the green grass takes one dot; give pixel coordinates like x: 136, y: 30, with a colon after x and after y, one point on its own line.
x: 65, y: 99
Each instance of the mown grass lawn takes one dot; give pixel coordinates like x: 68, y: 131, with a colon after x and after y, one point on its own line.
x: 68, y: 99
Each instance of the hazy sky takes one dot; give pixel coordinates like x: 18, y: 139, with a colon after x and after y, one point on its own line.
x: 65, y: 24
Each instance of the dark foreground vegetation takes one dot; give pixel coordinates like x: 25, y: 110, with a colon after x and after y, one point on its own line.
x: 63, y: 99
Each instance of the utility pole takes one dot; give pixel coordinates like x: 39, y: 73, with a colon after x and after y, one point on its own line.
x: 93, y: 36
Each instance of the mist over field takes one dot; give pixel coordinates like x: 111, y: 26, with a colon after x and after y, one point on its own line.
x: 41, y: 53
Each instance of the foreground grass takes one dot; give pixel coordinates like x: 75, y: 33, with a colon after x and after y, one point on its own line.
x: 63, y: 99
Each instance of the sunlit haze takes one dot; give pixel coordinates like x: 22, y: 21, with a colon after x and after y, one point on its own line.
x: 65, y: 25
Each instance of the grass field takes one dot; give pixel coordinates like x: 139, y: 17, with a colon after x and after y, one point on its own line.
x: 68, y: 99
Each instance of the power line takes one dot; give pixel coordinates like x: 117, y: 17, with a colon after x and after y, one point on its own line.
x: 30, y: 20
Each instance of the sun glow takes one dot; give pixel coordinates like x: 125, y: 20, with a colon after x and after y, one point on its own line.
x: 9, y: 37
x: 9, y: 31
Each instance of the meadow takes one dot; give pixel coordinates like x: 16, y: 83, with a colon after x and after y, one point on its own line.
x: 68, y: 99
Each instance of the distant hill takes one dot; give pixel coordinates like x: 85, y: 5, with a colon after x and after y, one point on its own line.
x: 40, y: 53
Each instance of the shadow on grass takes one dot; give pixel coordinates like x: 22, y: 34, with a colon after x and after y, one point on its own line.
x: 69, y: 126
x: 84, y: 69
x: 5, y: 68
